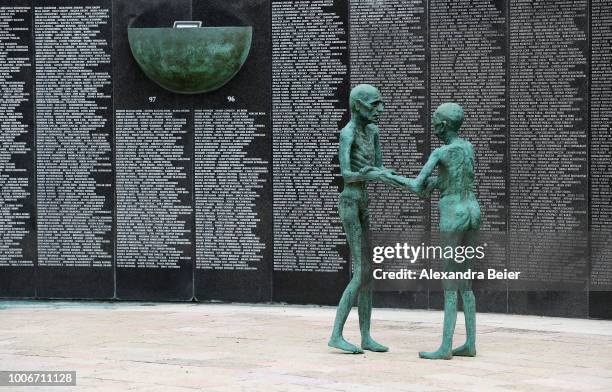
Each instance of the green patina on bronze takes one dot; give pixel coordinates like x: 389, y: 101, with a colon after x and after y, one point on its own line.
x: 360, y: 162
x: 459, y: 220
x: 190, y: 60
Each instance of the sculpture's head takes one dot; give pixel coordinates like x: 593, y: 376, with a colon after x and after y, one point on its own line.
x: 366, y: 103
x: 447, y: 118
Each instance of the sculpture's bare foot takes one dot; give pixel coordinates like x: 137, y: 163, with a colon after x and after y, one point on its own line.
x: 372, y: 345
x: 465, y: 350
x: 441, y: 353
x: 340, y: 343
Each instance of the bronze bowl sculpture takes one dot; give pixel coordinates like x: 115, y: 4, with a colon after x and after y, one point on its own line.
x: 190, y: 60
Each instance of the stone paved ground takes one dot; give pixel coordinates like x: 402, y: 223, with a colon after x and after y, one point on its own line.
x: 210, y: 347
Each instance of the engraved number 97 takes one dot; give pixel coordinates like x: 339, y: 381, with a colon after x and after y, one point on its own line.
x: 152, y: 99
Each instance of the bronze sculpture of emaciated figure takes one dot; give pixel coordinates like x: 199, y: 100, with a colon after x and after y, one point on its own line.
x: 360, y: 162
x: 459, y: 220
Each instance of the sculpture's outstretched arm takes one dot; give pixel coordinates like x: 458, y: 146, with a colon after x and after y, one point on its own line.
x: 424, y: 183
x: 429, y: 167
x: 430, y: 184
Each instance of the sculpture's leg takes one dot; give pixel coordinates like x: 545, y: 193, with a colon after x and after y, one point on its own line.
x: 349, y: 214
x: 450, y: 317
x: 468, y: 349
x: 453, y: 239
x: 365, y: 295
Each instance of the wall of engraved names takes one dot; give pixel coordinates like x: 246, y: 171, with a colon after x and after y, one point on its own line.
x: 92, y: 178
x: 153, y: 200
x: 388, y: 43
x: 601, y: 144
x: 308, y: 40
x: 16, y: 136
x: 228, y: 179
x: 548, y: 140
x: 73, y: 135
x: 468, y: 66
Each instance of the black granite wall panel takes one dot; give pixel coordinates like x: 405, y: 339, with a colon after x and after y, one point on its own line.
x: 113, y: 187
x: 233, y: 166
x: 74, y: 148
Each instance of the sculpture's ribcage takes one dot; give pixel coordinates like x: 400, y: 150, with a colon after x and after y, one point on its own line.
x: 361, y: 156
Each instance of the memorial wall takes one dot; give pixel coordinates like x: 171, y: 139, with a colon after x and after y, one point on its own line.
x: 113, y: 187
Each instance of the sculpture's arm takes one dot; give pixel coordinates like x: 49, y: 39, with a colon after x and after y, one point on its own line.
x: 344, y: 156
x: 430, y: 185
x: 429, y: 167
x: 424, y: 183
